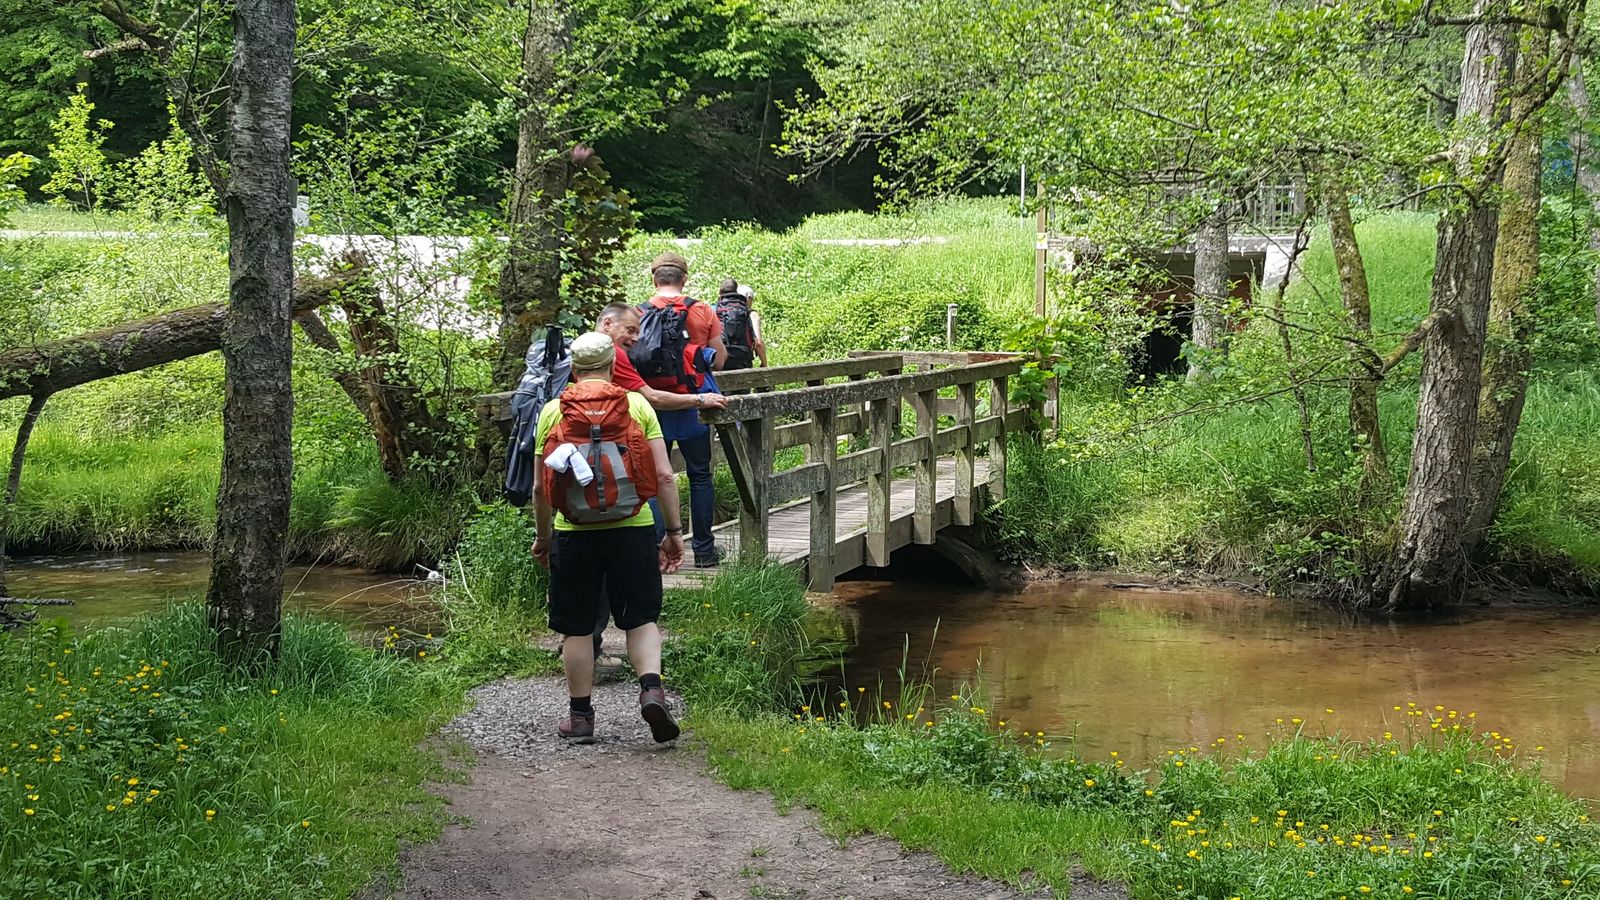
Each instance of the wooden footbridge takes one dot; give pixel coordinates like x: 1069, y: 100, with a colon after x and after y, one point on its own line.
x: 839, y: 463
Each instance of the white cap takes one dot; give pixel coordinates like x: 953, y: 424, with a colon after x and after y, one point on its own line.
x: 746, y: 291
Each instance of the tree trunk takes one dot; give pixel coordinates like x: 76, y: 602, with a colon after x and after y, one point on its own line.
x: 1428, y: 563
x: 131, y: 346
x: 1509, y: 332
x: 1365, y: 430
x: 1302, y: 403
x: 1585, y: 167
x: 19, y: 453
x: 247, y: 556
x: 530, y: 282
x: 1209, y: 325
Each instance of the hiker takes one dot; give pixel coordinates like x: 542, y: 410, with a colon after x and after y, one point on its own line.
x: 620, y: 322
x: 601, y: 458
x: 741, y: 325
x: 679, y: 344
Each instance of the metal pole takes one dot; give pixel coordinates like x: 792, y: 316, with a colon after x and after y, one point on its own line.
x: 950, y: 325
x: 1041, y: 250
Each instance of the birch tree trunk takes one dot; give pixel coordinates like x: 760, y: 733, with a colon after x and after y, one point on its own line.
x: 247, y: 557
x: 1586, y: 168
x: 1209, y: 325
x: 1365, y: 430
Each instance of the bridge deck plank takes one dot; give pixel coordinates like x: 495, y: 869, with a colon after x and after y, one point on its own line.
x: 789, y: 528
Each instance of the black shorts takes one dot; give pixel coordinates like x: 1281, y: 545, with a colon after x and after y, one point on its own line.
x: 586, y: 566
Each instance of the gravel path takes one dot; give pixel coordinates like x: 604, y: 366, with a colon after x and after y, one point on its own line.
x: 626, y: 818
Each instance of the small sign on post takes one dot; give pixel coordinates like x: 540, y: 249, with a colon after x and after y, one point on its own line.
x: 950, y: 325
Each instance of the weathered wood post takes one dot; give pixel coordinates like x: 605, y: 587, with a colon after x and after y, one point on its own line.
x: 880, y: 480
x: 999, y: 399
x: 755, y: 509
x: 926, y: 406
x: 824, y: 450
x: 966, y: 450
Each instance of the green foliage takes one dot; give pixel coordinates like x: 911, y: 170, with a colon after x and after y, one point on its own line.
x: 13, y: 169
x: 599, y: 224
x: 136, y: 764
x: 495, y: 599
x: 77, y: 158
x: 1171, y: 477
x: 736, y: 643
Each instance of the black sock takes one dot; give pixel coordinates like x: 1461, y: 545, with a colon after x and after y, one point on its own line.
x: 649, y: 682
x: 581, y: 705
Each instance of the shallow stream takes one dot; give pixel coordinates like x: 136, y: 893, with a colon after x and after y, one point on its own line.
x: 1140, y: 672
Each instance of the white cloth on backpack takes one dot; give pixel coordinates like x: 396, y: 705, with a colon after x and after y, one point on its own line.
x: 569, y: 456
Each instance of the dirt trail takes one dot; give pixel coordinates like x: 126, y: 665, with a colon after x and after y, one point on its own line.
x: 626, y: 819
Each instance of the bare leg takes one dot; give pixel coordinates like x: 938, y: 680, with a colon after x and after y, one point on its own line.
x: 577, y: 656
x: 644, y: 649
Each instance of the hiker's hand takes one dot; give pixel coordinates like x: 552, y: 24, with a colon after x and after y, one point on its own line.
x: 671, y: 553
x: 713, y: 401
x: 541, y: 552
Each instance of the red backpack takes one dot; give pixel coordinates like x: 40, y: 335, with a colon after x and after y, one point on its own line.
x: 596, y: 420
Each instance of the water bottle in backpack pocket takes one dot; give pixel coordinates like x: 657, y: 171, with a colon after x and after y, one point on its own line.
x: 596, y: 421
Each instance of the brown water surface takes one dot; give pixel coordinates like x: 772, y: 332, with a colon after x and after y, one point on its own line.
x: 1143, y: 672
x: 105, y: 589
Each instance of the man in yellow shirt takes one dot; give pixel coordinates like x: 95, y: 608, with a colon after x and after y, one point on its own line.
x: 619, y: 558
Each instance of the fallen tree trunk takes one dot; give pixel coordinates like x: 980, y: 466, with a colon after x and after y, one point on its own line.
x: 130, y: 346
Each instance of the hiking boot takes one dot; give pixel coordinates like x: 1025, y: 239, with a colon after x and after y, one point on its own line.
x: 709, y: 561
x: 577, y: 728
x: 653, y: 707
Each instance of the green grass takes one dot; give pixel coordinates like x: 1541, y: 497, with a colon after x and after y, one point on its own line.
x: 819, y: 301
x: 158, y: 490
x: 45, y: 217
x: 135, y: 764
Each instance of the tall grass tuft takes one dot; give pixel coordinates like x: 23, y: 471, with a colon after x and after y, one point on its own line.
x: 737, y: 643
x: 494, y: 598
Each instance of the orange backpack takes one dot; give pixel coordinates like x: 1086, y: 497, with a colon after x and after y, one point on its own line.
x: 596, y: 420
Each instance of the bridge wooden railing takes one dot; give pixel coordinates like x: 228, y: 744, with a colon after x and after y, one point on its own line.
x: 871, y: 408
x: 863, y: 400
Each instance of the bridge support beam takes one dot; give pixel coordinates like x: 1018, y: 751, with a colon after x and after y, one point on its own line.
x: 824, y: 502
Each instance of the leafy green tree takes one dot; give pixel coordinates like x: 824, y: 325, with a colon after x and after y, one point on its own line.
x: 77, y: 155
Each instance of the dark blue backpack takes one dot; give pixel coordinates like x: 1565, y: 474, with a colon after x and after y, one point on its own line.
x: 549, y: 369
x: 660, y: 352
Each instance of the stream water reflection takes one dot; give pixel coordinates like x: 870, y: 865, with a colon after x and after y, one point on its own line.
x: 1143, y: 672
x: 105, y: 589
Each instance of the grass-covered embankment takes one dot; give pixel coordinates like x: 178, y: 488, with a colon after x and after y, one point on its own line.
x: 158, y: 491
x: 1443, y: 808
x: 135, y: 764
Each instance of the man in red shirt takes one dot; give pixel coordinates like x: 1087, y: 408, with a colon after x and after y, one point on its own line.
x: 620, y: 322
x: 669, y: 272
